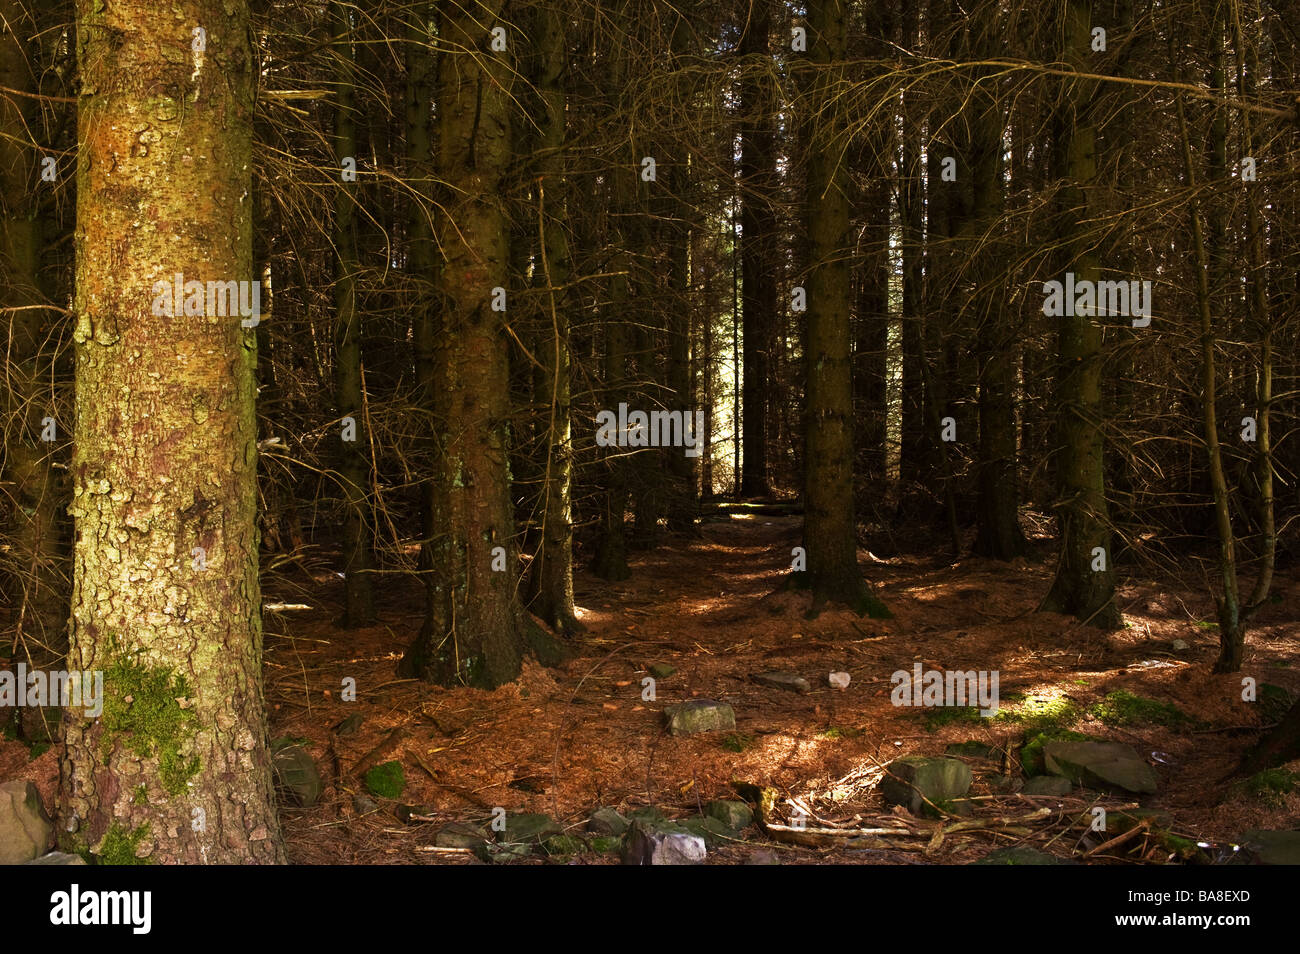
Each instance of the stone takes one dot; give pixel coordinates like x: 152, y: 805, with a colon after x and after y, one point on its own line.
x: 736, y: 815
x: 1100, y: 765
x: 58, y: 858
x: 1272, y: 847
x: 937, y: 779
x: 973, y: 750
x: 1047, y: 785
x: 459, y: 835
x: 499, y: 854
x: 1179, y: 645
x: 763, y: 857
x: 710, y: 829
x: 1020, y: 855
x: 350, y: 725
x: 364, y: 804
x: 25, y: 828
x: 783, y: 679
x: 839, y: 680
x: 699, y: 715
x: 296, y: 772
x: 607, y: 821
x: 646, y: 845
x: 661, y: 670
x: 529, y: 829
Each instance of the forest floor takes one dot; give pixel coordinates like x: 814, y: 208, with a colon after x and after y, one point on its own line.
x: 566, y: 740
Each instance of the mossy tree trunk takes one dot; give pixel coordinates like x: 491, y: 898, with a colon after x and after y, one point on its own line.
x: 830, y: 528
x: 353, y: 459
x: 166, y: 600
x: 1084, y: 586
x: 474, y: 630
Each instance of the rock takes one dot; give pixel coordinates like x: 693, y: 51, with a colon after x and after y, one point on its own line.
x: 1272, y: 847
x: 25, y: 828
x: 783, y: 679
x: 296, y: 772
x: 1179, y: 645
x: 364, y: 804
x: 607, y: 821
x: 839, y: 680
x: 649, y: 814
x: 646, y: 845
x: 1100, y: 765
x: 913, y: 776
x: 459, y: 835
x: 58, y: 858
x: 962, y: 807
x: 710, y: 829
x: 736, y: 815
x: 350, y: 725
x: 699, y: 715
x: 974, y: 750
x: 763, y: 857
x: 661, y: 670
x: 529, y: 829
x: 1047, y: 785
x: 499, y: 854
x: 1020, y: 855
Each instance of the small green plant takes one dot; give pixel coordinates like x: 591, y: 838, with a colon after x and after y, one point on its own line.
x: 37, y: 750
x: 1206, y: 624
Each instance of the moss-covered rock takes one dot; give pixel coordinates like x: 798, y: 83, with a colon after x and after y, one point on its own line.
x: 386, y: 780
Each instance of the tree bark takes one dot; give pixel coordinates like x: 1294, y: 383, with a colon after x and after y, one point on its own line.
x: 166, y: 602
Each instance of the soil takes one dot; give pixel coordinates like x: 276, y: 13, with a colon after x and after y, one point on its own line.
x: 569, y: 739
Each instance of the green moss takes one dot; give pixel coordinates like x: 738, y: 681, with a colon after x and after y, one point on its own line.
x: 835, y: 732
x: 1271, y: 785
x: 736, y: 741
x: 603, y: 844
x: 940, y: 716
x: 141, y: 710
x: 1121, y: 708
x: 141, y: 796
x: 118, y: 847
x: 386, y: 780
x: 37, y: 750
x: 1031, y: 755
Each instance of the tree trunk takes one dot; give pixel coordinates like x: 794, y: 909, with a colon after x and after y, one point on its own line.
x: 758, y: 239
x: 353, y: 460
x: 552, y: 573
x: 474, y: 631
x: 830, y: 528
x: 1085, y: 577
x: 166, y: 602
